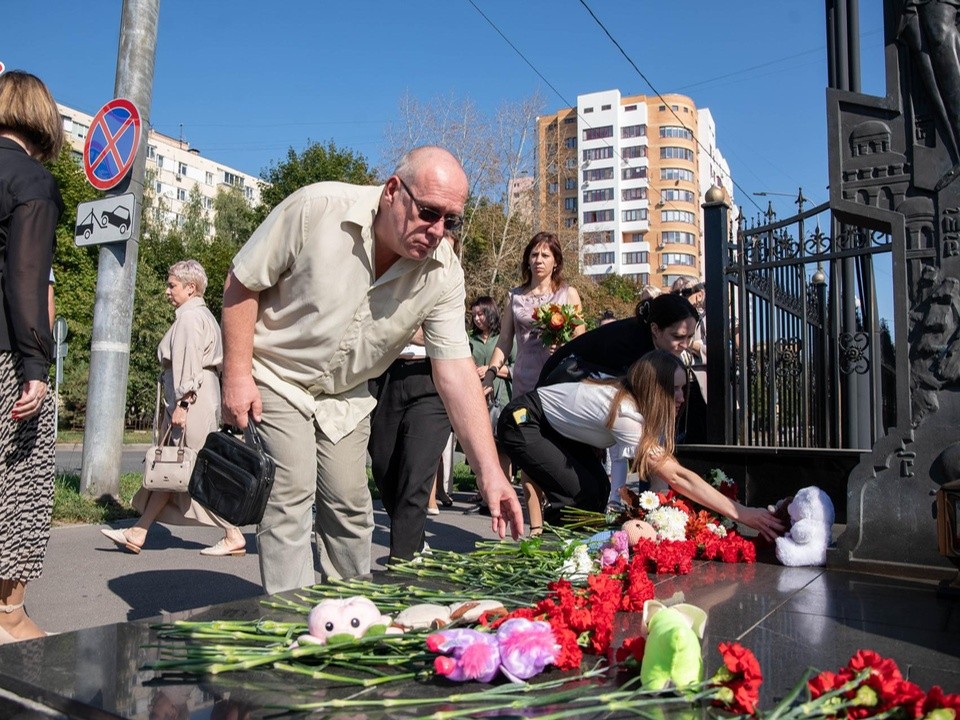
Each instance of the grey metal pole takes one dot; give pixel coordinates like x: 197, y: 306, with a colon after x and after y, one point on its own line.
x: 117, y: 271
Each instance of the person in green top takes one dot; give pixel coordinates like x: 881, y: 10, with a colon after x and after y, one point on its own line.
x: 484, y: 335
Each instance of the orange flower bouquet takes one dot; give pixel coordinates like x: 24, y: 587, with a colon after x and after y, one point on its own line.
x: 556, y: 323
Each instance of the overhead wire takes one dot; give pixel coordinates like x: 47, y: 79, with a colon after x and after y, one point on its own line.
x: 657, y: 93
x: 663, y: 202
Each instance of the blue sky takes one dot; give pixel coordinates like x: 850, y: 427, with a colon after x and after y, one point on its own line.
x: 246, y: 80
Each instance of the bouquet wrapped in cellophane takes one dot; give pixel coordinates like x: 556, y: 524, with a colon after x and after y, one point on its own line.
x: 557, y: 323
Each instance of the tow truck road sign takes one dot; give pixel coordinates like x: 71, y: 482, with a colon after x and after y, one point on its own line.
x: 111, y: 144
x: 105, y: 221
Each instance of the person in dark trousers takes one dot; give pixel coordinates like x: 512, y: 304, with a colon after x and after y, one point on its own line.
x: 408, y: 431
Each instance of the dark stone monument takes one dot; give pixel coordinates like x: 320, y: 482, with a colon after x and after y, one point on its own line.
x: 895, y: 168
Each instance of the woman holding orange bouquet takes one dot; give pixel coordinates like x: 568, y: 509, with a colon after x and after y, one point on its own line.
x: 542, y: 273
x: 552, y: 434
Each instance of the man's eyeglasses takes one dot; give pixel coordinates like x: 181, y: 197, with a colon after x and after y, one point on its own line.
x: 451, y: 223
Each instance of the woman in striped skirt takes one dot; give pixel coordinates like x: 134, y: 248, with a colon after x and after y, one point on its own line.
x: 31, y: 131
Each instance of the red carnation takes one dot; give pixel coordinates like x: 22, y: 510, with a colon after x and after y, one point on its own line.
x: 739, y: 679
x: 631, y: 652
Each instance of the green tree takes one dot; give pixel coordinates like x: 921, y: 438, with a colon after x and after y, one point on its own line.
x: 75, y: 270
x: 234, y: 220
x: 315, y: 164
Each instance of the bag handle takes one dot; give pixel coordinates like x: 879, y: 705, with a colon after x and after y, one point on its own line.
x: 250, y: 434
x: 158, y: 448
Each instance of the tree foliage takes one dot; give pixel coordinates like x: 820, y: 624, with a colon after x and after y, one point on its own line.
x: 316, y: 163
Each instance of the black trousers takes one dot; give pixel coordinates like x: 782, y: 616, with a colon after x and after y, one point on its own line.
x: 408, y: 431
x: 568, y: 472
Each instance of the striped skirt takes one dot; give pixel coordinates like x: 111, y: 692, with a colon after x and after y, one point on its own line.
x: 27, y: 468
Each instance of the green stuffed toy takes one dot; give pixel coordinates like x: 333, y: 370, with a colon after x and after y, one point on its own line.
x: 672, y: 653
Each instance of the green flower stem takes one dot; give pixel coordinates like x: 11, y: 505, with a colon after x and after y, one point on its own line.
x: 344, y: 679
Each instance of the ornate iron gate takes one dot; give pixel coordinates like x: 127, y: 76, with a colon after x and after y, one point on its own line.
x: 798, y: 360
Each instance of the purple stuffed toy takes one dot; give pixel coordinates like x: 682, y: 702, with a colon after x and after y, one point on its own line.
x: 520, y: 649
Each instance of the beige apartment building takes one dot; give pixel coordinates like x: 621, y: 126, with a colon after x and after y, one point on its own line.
x: 628, y: 175
x: 173, y: 170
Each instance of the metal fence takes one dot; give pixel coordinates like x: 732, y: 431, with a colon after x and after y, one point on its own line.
x: 796, y: 348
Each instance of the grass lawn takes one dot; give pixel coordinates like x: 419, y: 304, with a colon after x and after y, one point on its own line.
x: 72, y: 508
x: 130, y: 437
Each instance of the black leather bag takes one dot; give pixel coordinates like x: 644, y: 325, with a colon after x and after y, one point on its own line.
x: 233, y: 476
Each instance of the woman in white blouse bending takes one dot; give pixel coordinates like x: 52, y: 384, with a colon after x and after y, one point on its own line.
x: 552, y: 434
x: 191, y: 354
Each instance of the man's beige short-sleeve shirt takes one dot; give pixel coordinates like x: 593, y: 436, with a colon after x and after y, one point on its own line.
x: 325, y: 325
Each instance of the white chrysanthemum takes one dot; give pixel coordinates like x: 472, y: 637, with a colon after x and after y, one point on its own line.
x: 649, y: 501
x: 669, y: 522
x: 718, y: 530
x: 578, y: 565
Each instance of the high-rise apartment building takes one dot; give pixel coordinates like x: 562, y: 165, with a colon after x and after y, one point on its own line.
x: 174, y: 169
x: 629, y: 175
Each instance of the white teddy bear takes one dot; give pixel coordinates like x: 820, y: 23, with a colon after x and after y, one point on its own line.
x: 811, y: 516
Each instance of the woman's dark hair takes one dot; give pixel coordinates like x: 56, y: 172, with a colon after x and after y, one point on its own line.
x: 552, y: 242
x: 491, y: 313
x: 665, y: 310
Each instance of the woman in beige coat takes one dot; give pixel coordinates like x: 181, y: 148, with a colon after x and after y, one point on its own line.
x: 191, y: 354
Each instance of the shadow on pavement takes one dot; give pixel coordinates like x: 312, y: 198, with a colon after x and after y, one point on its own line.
x: 156, y: 592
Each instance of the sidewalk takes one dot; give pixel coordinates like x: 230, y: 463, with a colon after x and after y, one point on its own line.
x: 88, y: 582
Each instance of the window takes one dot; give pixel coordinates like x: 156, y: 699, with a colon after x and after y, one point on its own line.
x: 160, y: 161
x: 571, y: 163
x: 662, y: 108
x: 638, y: 278
x: 633, y: 237
x: 587, y: 110
x: 632, y: 131
x: 570, y: 120
x: 674, y: 131
x: 597, y: 195
x: 207, y: 202
x: 230, y: 179
x: 598, y: 133
x: 598, y: 174
x: 674, y: 107
x: 604, y: 258
x: 604, y: 107
x: 552, y: 188
x: 181, y: 195
x: 209, y: 178
x: 596, y: 216
x: 634, y: 215
x: 677, y: 216
x: 676, y: 174
x: 151, y: 151
x: 570, y: 142
x: 634, y: 151
x: 601, y: 153
x: 639, y: 193
x: 678, y: 237
x: 591, y: 238
x: 181, y: 168
x: 630, y: 108
x: 677, y: 195
x: 570, y: 222
x: 677, y: 259
x: 570, y: 184
x: 570, y: 204
x: 636, y: 258
x: 159, y: 188
x: 676, y: 153
x: 632, y: 173
x: 248, y: 192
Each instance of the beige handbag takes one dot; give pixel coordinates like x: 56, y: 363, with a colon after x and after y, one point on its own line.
x: 167, y: 467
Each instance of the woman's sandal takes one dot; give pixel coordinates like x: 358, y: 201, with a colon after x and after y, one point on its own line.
x: 120, y: 540
x: 536, y: 530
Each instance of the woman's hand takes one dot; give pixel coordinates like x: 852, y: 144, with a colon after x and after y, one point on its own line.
x: 179, y: 417
x: 482, y: 370
x: 763, y: 521
x: 31, y: 400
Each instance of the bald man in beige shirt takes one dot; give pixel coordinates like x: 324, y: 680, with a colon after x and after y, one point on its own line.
x: 322, y: 298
